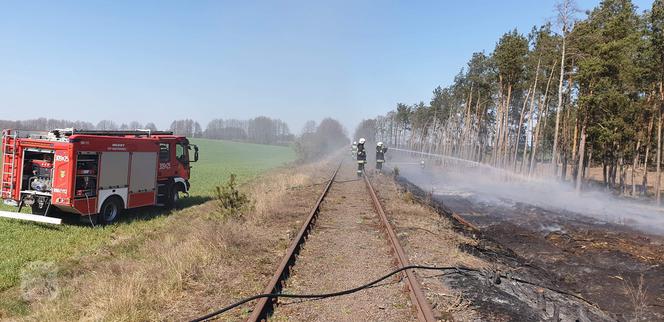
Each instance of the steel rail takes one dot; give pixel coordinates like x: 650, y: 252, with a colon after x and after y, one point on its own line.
x: 265, y: 306
x: 417, y: 297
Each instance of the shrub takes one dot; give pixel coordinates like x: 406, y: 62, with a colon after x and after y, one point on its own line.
x: 231, y: 201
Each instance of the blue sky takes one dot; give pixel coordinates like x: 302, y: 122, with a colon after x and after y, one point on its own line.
x: 155, y: 61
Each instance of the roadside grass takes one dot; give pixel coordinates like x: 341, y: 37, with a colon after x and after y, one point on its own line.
x: 22, y: 243
x: 195, y: 263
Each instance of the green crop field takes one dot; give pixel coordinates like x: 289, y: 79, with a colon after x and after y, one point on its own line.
x: 25, y: 242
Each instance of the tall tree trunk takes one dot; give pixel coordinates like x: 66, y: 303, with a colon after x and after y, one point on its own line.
x: 518, y: 133
x: 636, y: 159
x: 483, y: 138
x: 506, y: 133
x: 466, y: 125
x: 475, y: 133
x: 535, y: 140
x: 582, y: 148
x: 647, y: 157
x: 541, y: 111
x: 621, y: 162
x: 499, y: 122
x: 588, y: 161
x: 530, y: 117
x: 575, y: 156
x: 659, y: 148
x: 614, y: 168
x: 605, y: 172
x: 565, y: 138
x: 554, y: 159
x: 563, y: 170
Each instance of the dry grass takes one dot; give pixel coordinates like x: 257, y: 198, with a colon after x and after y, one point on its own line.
x: 192, y: 265
x: 273, y: 190
x: 638, y: 297
x: 419, y: 227
x: 419, y: 224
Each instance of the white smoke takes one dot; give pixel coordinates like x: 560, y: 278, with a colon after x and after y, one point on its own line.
x: 484, y: 184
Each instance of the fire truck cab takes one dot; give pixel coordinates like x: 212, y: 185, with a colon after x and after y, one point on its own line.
x: 93, y: 174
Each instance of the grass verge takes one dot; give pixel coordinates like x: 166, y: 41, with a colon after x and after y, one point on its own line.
x: 22, y: 243
x: 192, y: 265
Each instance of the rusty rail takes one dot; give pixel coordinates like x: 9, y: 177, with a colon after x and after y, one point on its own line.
x: 265, y: 306
x: 417, y: 297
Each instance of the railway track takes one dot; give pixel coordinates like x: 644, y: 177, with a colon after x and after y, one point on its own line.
x: 266, y: 306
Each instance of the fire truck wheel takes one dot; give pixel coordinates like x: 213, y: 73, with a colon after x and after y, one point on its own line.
x: 110, y: 210
x: 174, y: 196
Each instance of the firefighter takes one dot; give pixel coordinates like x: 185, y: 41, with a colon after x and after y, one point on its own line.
x: 353, y: 150
x: 361, y: 157
x: 381, y: 149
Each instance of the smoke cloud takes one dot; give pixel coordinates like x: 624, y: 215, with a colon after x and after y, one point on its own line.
x: 480, y: 183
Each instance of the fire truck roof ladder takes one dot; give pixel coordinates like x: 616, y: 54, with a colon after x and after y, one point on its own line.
x: 8, y: 164
x: 68, y: 132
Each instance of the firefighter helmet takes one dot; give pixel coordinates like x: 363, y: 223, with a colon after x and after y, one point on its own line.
x: 354, y: 142
x: 362, y: 140
x: 380, y: 143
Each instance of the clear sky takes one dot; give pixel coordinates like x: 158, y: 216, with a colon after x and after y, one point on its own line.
x: 155, y: 61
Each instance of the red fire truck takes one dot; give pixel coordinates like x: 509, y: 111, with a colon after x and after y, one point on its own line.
x: 93, y: 174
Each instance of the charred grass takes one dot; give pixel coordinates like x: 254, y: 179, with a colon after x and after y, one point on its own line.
x: 194, y: 263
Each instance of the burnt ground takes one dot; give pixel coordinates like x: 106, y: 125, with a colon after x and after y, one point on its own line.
x: 616, y: 268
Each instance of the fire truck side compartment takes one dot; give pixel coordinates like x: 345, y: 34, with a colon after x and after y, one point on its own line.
x: 113, y: 177
x: 143, y: 183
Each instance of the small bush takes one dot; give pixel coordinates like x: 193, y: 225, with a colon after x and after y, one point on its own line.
x: 396, y: 172
x: 231, y: 201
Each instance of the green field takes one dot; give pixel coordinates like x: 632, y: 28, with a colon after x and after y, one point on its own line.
x: 25, y: 242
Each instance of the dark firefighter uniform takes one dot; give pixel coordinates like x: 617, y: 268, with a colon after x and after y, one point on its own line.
x: 380, y: 155
x: 361, y: 158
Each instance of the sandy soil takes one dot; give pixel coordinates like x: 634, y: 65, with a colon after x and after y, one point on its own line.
x: 346, y: 249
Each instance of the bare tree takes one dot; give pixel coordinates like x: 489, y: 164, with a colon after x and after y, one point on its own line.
x: 566, y: 10
x: 309, y: 127
x: 133, y: 125
x: 151, y: 126
x: 107, y: 125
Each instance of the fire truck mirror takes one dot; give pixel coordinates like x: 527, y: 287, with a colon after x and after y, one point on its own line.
x: 195, y: 152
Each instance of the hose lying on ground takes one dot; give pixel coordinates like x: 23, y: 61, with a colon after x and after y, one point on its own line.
x: 452, y: 269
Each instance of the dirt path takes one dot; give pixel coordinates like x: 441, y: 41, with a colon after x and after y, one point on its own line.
x: 346, y: 249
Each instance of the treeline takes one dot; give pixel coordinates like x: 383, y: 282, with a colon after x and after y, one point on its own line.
x: 261, y: 129
x: 43, y: 124
x: 553, y: 102
x: 319, y: 140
